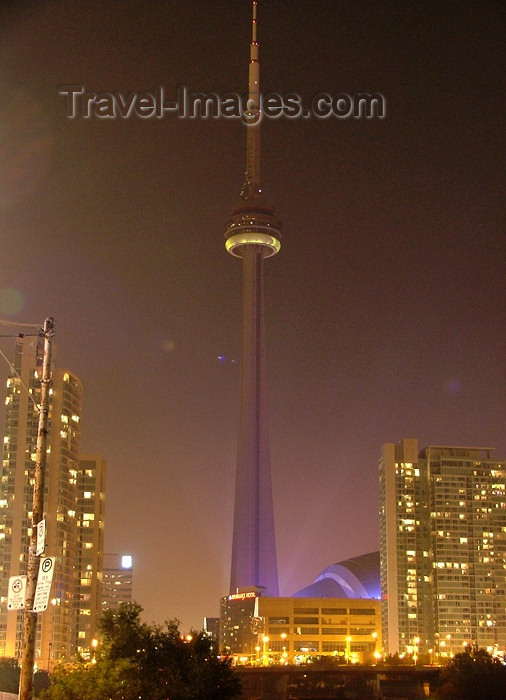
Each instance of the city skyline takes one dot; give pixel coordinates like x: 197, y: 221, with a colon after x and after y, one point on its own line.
x: 385, y: 313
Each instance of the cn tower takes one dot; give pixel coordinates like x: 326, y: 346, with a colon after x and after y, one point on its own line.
x: 252, y: 233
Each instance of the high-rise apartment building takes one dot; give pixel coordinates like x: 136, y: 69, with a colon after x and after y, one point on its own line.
x: 117, y: 581
x: 57, y: 626
x: 442, y: 548
x: 91, y: 479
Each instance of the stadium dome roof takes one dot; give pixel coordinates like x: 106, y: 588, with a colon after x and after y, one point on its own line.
x: 358, y: 577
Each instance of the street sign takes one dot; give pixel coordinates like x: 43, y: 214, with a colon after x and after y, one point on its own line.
x: 41, y: 537
x: 46, y: 569
x: 17, y: 593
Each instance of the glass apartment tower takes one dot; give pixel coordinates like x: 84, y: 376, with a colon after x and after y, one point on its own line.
x: 442, y: 549
x: 64, y: 510
x: 91, y: 479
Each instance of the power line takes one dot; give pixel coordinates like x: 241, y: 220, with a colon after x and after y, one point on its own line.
x: 18, y: 323
x: 14, y: 370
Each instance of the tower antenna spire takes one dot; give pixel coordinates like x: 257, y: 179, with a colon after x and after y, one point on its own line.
x: 252, y: 116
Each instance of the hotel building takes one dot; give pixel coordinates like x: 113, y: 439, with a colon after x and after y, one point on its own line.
x: 337, y: 615
x: 294, y: 630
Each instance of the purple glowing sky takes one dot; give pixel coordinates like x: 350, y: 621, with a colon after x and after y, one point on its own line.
x: 385, y: 306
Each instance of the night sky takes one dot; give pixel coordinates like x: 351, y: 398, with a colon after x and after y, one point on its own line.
x: 385, y: 306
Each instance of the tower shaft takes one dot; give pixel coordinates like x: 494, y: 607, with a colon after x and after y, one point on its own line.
x: 252, y: 233
x: 254, y: 546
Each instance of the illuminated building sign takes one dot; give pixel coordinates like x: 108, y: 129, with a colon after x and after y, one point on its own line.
x: 242, y: 596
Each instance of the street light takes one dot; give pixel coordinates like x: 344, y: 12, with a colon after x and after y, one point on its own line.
x: 416, y: 641
x: 285, y: 655
x: 449, y: 638
x: 265, y: 640
x: 348, y: 649
x: 376, y: 654
x: 94, y: 645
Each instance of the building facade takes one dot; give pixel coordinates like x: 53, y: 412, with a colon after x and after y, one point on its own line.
x: 212, y: 629
x: 91, y: 482
x: 117, y: 581
x: 57, y: 626
x: 442, y: 549
x: 240, y: 630
x: 295, y: 630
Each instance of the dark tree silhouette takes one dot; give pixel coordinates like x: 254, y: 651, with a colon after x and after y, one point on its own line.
x: 150, y: 662
x: 473, y: 675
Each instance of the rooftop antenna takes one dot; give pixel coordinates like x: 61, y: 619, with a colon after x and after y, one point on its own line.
x: 252, y: 117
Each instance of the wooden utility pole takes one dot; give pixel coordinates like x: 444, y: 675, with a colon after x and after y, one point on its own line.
x: 30, y: 617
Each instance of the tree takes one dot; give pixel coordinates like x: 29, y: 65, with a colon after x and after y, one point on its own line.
x: 151, y: 662
x: 123, y: 633
x: 395, y: 660
x: 473, y: 675
x: 9, y: 677
x: 77, y: 680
